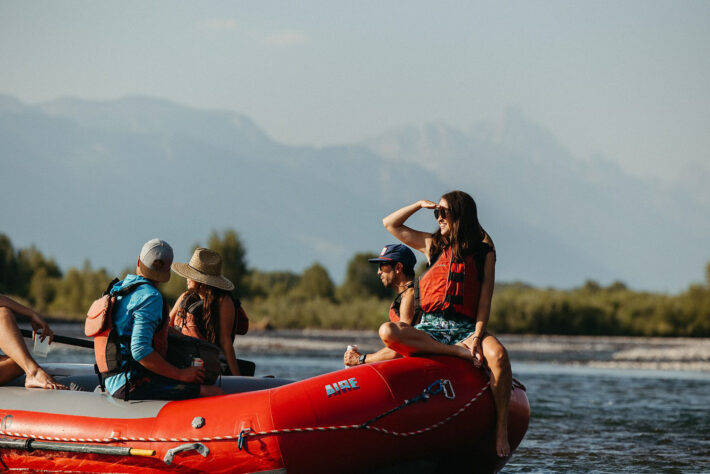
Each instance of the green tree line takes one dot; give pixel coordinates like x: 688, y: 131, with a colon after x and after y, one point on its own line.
x: 283, y: 299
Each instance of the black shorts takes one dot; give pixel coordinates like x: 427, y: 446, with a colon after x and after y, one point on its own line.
x: 157, y: 387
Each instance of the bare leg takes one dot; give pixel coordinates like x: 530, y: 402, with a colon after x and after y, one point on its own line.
x: 501, y: 382
x: 352, y: 358
x: 406, y: 340
x: 9, y: 370
x: 12, y: 344
x: 383, y: 354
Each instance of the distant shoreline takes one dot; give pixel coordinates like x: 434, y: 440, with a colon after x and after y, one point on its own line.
x: 643, y: 353
x: 647, y: 353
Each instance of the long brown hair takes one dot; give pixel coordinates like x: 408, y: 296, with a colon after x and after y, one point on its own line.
x: 211, y: 297
x: 466, y: 233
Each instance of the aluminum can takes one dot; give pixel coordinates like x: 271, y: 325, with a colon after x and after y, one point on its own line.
x: 197, y: 362
x: 352, y: 347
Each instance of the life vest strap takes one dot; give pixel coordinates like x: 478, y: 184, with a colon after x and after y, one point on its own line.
x: 454, y: 299
x: 455, y: 276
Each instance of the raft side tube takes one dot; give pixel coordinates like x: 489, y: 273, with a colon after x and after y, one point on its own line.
x: 380, y: 387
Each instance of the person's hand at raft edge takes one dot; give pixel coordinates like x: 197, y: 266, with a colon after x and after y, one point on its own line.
x: 351, y: 358
x: 477, y: 351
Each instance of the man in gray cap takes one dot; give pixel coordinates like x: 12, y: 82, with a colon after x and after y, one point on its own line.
x: 140, y: 321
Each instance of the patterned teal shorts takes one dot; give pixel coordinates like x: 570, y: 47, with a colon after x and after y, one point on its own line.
x: 446, y: 329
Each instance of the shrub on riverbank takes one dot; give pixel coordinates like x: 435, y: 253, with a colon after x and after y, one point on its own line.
x: 287, y: 312
x: 595, y: 310
x: 290, y: 300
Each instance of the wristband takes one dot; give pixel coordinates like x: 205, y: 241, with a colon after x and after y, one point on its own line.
x: 361, y: 359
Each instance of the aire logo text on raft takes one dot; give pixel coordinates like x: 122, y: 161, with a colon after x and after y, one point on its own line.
x: 341, y: 387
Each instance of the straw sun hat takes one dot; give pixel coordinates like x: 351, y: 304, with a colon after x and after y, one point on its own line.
x: 205, y: 267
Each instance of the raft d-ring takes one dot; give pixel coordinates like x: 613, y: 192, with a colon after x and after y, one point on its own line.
x: 6, y: 422
x: 448, y: 389
x: 199, y: 447
x: 243, y: 437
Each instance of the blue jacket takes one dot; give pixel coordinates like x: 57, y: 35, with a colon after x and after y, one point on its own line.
x: 138, y: 315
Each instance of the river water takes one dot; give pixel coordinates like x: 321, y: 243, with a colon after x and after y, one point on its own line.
x: 603, y: 405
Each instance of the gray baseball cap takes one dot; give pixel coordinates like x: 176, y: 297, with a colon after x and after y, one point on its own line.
x: 155, y: 260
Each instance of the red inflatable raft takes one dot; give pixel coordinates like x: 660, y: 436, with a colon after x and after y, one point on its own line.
x: 420, y: 414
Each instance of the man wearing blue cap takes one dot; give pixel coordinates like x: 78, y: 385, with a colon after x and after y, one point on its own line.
x: 396, y: 270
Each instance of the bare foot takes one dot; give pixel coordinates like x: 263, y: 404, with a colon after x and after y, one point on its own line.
x: 502, y: 445
x: 41, y: 379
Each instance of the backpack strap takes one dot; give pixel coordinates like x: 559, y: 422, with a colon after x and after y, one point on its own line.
x: 110, y: 286
x: 128, y: 289
x: 196, y: 308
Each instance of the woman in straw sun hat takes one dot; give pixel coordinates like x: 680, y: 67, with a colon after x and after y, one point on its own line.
x: 207, y: 310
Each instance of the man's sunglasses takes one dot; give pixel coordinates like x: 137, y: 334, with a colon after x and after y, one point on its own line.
x: 440, y: 211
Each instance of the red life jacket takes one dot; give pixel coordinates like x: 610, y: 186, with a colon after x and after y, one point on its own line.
x: 189, y: 318
x: 107, y: 342
x: 185, y: 320
x: 394, y: 308
x: 452, y: 286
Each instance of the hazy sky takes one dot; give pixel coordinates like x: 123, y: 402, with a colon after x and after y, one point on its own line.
x: 626, y: 79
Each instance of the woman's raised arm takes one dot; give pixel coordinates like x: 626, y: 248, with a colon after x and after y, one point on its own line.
x: 394, y: 223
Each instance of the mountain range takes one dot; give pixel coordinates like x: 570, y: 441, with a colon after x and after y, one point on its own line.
x: 86, y: 180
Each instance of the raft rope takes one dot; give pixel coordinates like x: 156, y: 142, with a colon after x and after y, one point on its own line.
x: 437, y: 387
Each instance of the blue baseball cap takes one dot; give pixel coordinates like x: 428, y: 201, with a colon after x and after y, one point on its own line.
x: 394, y: 253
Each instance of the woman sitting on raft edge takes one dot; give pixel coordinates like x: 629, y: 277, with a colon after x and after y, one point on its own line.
x: 207, y: 310
x: 455, y: 295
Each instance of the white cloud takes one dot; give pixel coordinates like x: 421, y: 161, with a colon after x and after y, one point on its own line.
x: 285, y: 38
x: 218, y: 25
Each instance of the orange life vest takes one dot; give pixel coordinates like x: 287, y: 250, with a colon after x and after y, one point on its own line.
x: 394, y: 307
x: 189, y: 318
x: 186, y: 321
x: 107, y: 342
x: 450, y: 285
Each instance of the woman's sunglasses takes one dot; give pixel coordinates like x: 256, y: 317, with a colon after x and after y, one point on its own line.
x: 440, y: 211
